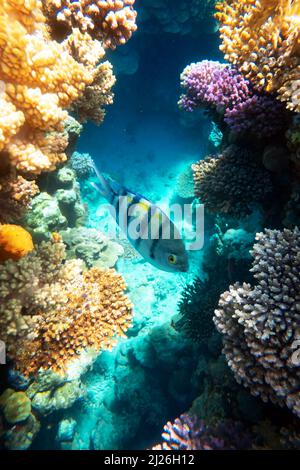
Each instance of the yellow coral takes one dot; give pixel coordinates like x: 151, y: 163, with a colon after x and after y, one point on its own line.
x: 15, y: 242
x: 262, y: 38
x: 38, y: 78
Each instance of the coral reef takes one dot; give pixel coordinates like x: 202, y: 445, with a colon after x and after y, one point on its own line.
x: 212, y: 85
x: 15, y: 197
x: 231, y: 182
x: 39, y: 79
x: 110, y: 21
x: 260, y: 324
x: 190, y: 433
x: 50, y: 310
x: 92, y: 246
x: 82, y: 164
x: 19, y: 426
x: 57, y: 208
x: 15, y: 242
x: 261, y: 38
x: 224, y: 92
x: 259, y: 116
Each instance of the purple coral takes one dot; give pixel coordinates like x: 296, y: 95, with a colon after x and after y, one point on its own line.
x: 259, y: 115
x: 214, y: 85
x: 190, y: 433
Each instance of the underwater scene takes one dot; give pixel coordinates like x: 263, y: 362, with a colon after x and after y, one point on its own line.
x: 149, y: 214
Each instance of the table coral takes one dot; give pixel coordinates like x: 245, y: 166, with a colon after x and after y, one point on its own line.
x: 15, y: 242
x: 262, y: 38
x: 260, y: 324
x: 110, y: 21
x: 231, y: 182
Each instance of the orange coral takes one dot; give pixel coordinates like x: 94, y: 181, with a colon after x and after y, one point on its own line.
x: 38, y: 79
x: 110, y: 21
x: 15, y: 242
x: 262, y: 38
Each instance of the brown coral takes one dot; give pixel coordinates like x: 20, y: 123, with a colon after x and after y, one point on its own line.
x: 110, y: 21
x: 51, y: 310
x: 262, y: 38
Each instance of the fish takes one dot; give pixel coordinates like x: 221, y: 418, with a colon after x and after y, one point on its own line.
x: 150, y: 231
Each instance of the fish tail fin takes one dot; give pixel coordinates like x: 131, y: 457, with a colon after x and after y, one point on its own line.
x: 102, y: 186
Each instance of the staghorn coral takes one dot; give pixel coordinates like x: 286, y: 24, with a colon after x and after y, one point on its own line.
x: 188, y: 432
x: 262, y: 38
x: 110, y: 21
x: 15, y: 242
x: 51, y: 310
x: 231, y: 182
x: 92, y: 246
x: 260, y: 324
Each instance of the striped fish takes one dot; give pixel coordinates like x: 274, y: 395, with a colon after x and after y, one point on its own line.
x: 147, y: 227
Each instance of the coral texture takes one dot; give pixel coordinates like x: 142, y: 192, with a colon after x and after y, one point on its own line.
x: 262, y: 38
x: 110, y: 21
x: 260, y: 116
x: 92, y: 246
x: 38, y: 80
x: 16, y: 194
x: 190, y: 433
x: 213, y: 85
x: 260, y: 324
x: 82, y: 164
x: 50, y: 310
x: 231, y: 182
x: 15, y: 242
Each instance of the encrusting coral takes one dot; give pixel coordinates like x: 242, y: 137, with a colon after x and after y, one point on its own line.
x: 260, y: 324
x: 50, y: 310
x: 15, y: 242
x: 262, y: 38
x: 110, y: 21
x: 231, y: 182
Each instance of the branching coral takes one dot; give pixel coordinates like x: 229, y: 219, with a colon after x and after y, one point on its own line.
x: 262, y: 38
x: 110, y: 21
x: 38, y: 79
x: 260, y: 324
x: 212, y: 85
x: 190, y: 433
x: 16, y: 194
x: 221, y: 89
x: 231, y: 182
x: 50, y: 310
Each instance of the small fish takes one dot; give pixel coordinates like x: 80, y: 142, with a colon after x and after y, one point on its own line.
x: 167, y: 253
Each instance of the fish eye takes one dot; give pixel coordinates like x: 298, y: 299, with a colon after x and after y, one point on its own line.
x: 172, y: 259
